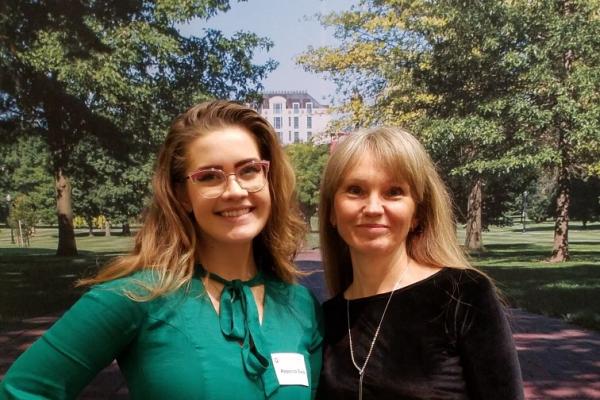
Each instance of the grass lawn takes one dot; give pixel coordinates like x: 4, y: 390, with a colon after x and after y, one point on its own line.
x: 569, y: 290
x: 35, y: 282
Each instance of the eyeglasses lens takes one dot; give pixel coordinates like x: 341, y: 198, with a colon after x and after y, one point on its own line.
x: 212, y: 182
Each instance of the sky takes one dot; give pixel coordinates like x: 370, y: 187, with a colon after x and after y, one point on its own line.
x: 291, y: 25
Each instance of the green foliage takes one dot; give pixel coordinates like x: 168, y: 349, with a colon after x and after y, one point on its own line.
x: 108, y: 187
x: 25, y: 165
x: 112, y: 75
x: 494, y: 88
x: 23, y: 218
x: 585, y: 200
x: 308, y: 161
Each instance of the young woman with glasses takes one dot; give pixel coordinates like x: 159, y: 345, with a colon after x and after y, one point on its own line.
x: 410, y: 319
x: 205, y: 306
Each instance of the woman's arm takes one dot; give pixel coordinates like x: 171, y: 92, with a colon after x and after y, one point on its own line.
x: 84, y: 341
x: 486, y: 346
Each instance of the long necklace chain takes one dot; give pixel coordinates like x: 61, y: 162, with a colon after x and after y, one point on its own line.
x: 361, y: 370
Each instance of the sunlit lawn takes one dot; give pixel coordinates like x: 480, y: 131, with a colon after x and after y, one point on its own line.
x: 35, y: 282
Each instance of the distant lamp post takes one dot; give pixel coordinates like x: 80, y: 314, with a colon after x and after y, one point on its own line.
x: 524, y: 211
x: 8, y: 203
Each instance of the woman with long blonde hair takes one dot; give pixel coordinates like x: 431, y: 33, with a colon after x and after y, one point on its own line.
x: 206, y: 305
x: 409, y: 317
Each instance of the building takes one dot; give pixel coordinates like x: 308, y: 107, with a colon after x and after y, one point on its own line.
x: 295, y: 115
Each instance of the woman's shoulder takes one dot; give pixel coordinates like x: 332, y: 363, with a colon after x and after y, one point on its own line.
x: 137, y: 287
x: 468, y: 286
x: 467, y: 279
x: 295, y: 291
x: 133, y: 281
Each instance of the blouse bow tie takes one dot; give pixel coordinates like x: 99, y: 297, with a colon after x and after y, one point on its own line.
x: 238, y: 319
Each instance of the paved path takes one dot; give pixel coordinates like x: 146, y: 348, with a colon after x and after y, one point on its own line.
x: 558, y: 360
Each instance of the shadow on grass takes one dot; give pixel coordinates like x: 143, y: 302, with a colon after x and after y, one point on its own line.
x: 35, y: 282
x: 570, y: 293
x: 580, y: 251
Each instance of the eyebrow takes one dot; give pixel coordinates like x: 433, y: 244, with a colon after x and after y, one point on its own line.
x: 363, y: 180
x: 220, y: 166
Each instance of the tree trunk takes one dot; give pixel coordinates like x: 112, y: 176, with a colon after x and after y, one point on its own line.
x: 126, y: 229
x: 107, y: 228
x: 560, y: 251
x: 66, y: 232
x: 57, y: 141
x: 473, y: 240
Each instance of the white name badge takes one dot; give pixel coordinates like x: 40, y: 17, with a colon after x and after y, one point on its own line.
x: 290, y: 368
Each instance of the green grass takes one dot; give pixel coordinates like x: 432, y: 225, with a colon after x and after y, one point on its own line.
x: 34, y: 281
x: 570, y: 290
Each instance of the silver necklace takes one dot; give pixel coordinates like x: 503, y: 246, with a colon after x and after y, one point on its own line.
x: 361, y: 370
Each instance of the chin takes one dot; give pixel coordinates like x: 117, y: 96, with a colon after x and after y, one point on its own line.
x: 241, y: 237
x: 375, y: 249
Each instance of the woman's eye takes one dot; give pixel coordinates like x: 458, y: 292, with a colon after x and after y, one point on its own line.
x: 206, y: 177
x: 354, y: 190
x: 395, y: 191
x: 250, y: 170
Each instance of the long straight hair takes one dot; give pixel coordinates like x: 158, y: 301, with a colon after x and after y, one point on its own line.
x: 433, y: 242
x: 167, y: 243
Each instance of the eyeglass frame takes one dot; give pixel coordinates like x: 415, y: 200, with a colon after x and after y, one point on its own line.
x: 264, y: 164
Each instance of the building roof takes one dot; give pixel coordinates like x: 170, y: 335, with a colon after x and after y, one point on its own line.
x: 291, y: 96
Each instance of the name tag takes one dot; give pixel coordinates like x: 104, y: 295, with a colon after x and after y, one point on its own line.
x: 290, y: 368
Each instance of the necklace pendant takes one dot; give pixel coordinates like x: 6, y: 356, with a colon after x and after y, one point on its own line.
x: 360, y: 384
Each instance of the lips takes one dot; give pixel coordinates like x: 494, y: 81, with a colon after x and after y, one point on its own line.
x: 234, y: 213
x: 372, y: 226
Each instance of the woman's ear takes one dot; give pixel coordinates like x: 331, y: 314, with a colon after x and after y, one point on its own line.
x: 332, y: 218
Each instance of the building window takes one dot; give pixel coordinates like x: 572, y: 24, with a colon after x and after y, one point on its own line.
x: 280, y: 136
x: 308, y: 122
x: 308, y: 135
x: 277, y: 108
x: 289, y: 121
x: 289, y: 136
x: 296, y: 108
x: 296, y: 123
x: 309, y: 108
x: 277, y: 122
x: 296, y: 137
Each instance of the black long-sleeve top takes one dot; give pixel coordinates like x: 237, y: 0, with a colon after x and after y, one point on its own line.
x: 445, y: 337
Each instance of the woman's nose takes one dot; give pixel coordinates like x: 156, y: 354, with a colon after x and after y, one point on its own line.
x: 233, y: 188
x: 373, y: 206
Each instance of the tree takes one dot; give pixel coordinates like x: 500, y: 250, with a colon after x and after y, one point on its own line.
x: 493, y: 87
x: 437, y: 68
x: 116, y: 71
x: 25, y: 163
x: 23, y: 218
x: 586, y: 200
x: 558, y: 107
x: 109, y: 187
x: 308, y: 161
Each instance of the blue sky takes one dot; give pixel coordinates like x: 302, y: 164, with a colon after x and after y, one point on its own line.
x: 292, y: 27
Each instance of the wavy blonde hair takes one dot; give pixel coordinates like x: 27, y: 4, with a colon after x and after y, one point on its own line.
x: 433, y: 242
x: 167, y: 243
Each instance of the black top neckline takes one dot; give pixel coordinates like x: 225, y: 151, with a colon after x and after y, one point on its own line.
x: 385, y: 295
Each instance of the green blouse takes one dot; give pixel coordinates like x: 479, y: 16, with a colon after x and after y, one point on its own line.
x: 177, y: 346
